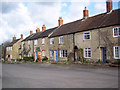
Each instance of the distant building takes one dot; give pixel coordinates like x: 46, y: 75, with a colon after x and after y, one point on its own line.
x: 13, y: 49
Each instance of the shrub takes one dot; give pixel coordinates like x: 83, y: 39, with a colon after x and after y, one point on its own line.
x: 44, y: 59
x: 28, y: 59
x: 36, y: 60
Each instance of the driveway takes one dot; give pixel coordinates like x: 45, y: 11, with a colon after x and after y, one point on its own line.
x: 58, y: 76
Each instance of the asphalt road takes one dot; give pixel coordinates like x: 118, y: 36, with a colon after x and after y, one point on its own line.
x: 58, y: 76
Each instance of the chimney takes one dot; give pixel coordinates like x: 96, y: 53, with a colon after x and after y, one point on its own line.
x: 109, y: 5
x: 21, y: 36
x: 60, y: 21
x: 85, y: 13
x: 43, y: 28
x: 14, y: 38
x: 37, y: 30
x: 31, y: 31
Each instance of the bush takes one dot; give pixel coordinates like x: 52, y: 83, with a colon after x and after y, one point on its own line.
x: 28, y: 59
x: 44, y: 59
x: 36, y: 60
x: 113, y: 61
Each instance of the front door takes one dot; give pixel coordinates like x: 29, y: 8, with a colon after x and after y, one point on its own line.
x: 56, y: 55
x: 103, y: 54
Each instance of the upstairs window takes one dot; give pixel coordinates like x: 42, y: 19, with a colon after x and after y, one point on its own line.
x: 51, y: 53
x: 117, y: 52
x: 87, y: 52
x: 35, y: 43
x: 63, y: 53
x: 43, y: 41
x: 61, y: 40
x: 29, y: 42
x: 52, y: 41
x: 86, y: 35
x: 116, y: 32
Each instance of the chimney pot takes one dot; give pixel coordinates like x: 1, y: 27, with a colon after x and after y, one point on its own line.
x: 31, y: 31
x: 14, y: 38
x: 109, y: 5
x: 43, y: 28
x: 85, y: 13
x: 21, y: 36
x: 37, y: 30
x: 60, y: 21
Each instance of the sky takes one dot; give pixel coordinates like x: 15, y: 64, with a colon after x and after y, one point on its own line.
x: 20, y: 16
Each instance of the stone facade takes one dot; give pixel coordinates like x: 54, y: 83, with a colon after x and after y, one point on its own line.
x: 67, y: 45
x: 99, y: 38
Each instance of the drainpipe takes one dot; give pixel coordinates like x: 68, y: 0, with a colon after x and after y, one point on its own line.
x: 74, y: 46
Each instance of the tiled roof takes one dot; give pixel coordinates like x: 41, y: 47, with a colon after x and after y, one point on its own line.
x: 12, y: 43
x: 43, y: 34
x: 27, y: 38
x: 91, y: 23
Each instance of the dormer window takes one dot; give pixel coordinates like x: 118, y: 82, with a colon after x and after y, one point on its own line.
x: 86, y: 35
x: 116, y: 32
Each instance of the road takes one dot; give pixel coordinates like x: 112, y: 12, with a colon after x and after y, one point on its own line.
x: 58, y: 76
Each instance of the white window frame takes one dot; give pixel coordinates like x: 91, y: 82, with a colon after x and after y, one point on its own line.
x: 43, y: 41
x: 115, y: 52
x: 63, y: 53
x: 86, y: 52
x: 22, y: 44
x: 51, y: 53
x: 43, y: 53
x: 10, y: 56
x: 118, y: 32
x: 35, y: 42
x: 28, y: 42
x: 51, y: 40
x: 61, y: 40
x: 85, y: 33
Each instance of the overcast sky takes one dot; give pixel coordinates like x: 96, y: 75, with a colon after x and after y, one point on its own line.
x: 19, y: 17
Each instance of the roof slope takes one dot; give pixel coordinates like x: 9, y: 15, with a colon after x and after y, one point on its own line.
x: 34, y: 36
x: 43, y: 34
x: 27, y: 38
x: 94, y: 22
x: 12, y: 43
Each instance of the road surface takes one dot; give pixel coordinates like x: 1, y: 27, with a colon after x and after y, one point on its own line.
x: 58, y: 76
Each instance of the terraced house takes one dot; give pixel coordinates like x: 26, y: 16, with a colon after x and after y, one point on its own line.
x: 27, y: 46
x: 94, y: 38
x: 91, y: 38
x: 13, y: 49
x: 41, y: 49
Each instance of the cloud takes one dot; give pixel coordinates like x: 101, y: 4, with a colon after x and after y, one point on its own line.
x: 21, y: 17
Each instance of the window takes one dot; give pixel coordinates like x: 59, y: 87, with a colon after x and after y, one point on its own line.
x: 11, y: 56
x: 43, y: 53
x: 43, y: 41
x: 86, y: 35
x: 51, y: 53
x: 117, y: 52
x: 29, y: 42
x: 87, y: 52
x: 22, y: 44
x: 61, y: 40
x: 63, y: 53
x: 35, y: 43
x: 52, y: 41
x: 116, y: 32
